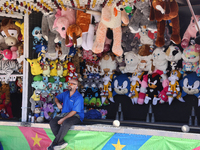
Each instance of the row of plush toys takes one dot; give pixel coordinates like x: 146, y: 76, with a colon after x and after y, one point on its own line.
x: 146, y: 58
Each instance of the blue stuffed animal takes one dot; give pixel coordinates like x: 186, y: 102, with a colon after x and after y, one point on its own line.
x: 191, y: 85
x: 121, y: 85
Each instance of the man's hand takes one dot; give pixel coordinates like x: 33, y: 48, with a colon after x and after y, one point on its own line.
x: 61, y: 121
x: 59, y: 106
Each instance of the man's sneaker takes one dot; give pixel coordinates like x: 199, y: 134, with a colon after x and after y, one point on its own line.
x: 50, y: 146
x: 60, y: 146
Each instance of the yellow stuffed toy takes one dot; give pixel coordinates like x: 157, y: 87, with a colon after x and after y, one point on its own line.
x: 65, y: 69
x: 174, y: 88
x: 21, y: 26
x: 53, y: 67
x: 35, y: 66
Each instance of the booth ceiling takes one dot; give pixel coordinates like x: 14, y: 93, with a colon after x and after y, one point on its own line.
x: 20, y: 7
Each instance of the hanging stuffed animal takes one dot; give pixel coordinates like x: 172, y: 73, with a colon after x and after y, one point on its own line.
x: 131, y: 61
x: 190, y: 32
x: 35, y: 66
x: 161, y: 11
x: 190, y: 60
x: 10, y: 32
x: 145, y: 57
x: 46, y: 69
x: 72, y: 71
x: 111, y: 17
x: 47, y: 108
x: 154, y: 85
x: 59, y: 69
x: 10, y: 54
x: 106, y: 84
x: 173, y: 55
x: 191, y: 85
x: 38, y: 39
x: 174, y: 88
x: 135, y: 87
x: 107, y: 64
x: 128, y: 44
x: 159, y: 60
x: 141, y: 17
x: 53, y: 67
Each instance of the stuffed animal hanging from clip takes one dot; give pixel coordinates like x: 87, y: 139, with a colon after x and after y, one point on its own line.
x: 111, y: 17
x: 161, y: 11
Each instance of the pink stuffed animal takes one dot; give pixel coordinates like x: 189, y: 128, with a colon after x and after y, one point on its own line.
x: 112, y: 17
x: 190, y: 32
x: 63, y: 20
x: 10, y: 54
x: 143, y: 87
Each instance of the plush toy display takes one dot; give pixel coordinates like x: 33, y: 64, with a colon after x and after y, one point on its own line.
x: 191, y: 85
x: 174, y: 88
x: 106, y: 84
x: 131, y: 61
x: 107, y: 64
x: 72, y: 71
x: 141, y: 17
x: 154, y: 85
x: 174, y: 56
x: 159, y: 60
x: 35, y: 66
x: 190, y: 32
x: 111, y: 18
x: 10, y: 32
x: 161, y: 11
x: 145, y: 57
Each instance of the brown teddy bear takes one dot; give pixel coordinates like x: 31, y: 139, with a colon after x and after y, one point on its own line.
x: 161, y: 11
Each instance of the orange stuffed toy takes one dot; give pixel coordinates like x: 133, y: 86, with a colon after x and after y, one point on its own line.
x: 112, y: 17
x: 161, y: 11
x: 82, y: 25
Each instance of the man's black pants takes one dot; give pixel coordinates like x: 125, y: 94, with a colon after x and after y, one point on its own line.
x: 61, y: 130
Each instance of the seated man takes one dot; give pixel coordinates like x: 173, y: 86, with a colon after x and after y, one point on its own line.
x: 72, y: 113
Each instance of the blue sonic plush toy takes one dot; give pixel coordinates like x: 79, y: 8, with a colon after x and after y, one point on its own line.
x: 191, y: 85
x: 121, y: 85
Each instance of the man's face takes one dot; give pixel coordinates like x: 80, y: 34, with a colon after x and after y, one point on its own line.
x: 72, y: 85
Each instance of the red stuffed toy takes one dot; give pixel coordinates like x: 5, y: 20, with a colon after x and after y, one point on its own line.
x: 7, y: 111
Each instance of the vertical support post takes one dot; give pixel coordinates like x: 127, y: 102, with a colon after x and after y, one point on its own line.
x: 25, y: 69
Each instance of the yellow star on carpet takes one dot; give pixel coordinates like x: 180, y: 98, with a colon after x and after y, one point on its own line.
x: 36, y: 140
x: 118, y: 146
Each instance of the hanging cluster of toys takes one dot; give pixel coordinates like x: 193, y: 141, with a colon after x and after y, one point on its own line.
x: 113, y: 50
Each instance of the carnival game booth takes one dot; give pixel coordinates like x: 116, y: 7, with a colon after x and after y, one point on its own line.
x: 136, y: 62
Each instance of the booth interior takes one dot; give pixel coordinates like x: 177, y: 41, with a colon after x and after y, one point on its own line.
x: 108, y: 95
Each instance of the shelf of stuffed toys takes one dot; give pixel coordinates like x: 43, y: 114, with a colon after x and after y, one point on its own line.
x: 13, y: 69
